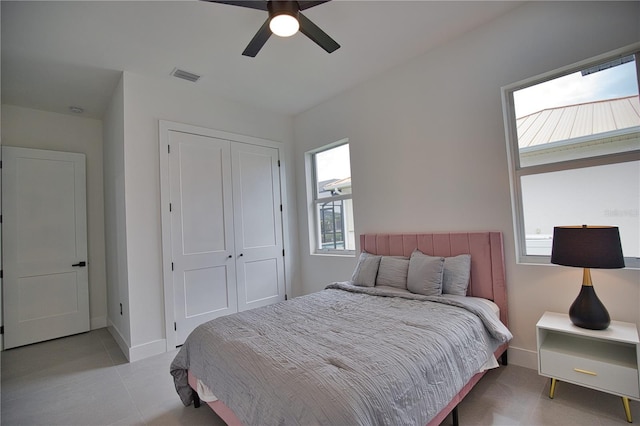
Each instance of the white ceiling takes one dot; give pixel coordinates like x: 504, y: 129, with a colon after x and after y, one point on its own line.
x: 56, y: 54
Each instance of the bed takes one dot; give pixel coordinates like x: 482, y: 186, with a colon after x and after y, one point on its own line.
x: 356, y: 354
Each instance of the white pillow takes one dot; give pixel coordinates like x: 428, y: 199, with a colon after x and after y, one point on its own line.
x: 457, y: 271
x: 366, y: 270
x: 393, y: 271
x: 425, y: 274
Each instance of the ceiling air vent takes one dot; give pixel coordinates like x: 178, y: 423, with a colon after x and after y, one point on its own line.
x: 185, y: 75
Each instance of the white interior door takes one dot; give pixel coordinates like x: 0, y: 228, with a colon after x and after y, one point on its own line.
x: 258, y: 225
x: 201, y: 230
x: 46, y: 288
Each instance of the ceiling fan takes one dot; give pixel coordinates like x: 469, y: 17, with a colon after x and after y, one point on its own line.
x: 284, y: 20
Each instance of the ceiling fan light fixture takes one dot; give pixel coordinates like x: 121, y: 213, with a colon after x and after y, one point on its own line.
x: 284, y: 25
x: 283, y: 16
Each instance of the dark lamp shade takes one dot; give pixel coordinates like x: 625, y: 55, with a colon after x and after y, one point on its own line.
x: 587, y: 247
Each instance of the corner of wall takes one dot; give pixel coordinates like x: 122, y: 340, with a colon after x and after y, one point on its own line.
x: 114, y: 218
x: 120, y: 340
x: 138, y: 352
x: 98, y: 322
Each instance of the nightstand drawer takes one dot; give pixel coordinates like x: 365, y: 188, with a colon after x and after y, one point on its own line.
x: 619, y: 379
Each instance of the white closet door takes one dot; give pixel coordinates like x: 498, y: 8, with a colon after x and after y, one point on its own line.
x: 46, y: 286
x: 201, y: 230
x: 258, y: 225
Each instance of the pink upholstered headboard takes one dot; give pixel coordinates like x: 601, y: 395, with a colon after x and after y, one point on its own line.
x: 485, y: 248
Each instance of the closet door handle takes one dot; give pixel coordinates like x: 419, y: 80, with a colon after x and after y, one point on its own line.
x: 80, y: 264
x: 241, y: 254
x: 230, y: 256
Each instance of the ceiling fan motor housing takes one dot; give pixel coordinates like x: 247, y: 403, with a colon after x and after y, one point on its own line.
x: 279, y: 7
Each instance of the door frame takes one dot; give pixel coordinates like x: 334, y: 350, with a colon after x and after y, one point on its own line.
x: 164, y: 127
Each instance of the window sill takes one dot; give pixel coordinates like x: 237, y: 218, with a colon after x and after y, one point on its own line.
x: 342, y: 253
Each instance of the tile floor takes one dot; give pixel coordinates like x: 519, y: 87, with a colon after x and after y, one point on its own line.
x: 85, y: 380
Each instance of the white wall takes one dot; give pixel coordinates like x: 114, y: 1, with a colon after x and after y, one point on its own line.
x: 147, y: 100
x: 29, y: 128
x: 428, y: 150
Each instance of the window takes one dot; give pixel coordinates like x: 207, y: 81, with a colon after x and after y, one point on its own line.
x: 331, y: 206
x: 573, y: 137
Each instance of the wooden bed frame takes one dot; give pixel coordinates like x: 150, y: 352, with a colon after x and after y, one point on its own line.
x: 487, y: 281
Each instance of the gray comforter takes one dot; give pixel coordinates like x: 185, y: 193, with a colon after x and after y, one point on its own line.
x: 343, y: 356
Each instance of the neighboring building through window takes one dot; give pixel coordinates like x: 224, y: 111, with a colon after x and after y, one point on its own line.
x: 331, y: 206
x: 574, y: 143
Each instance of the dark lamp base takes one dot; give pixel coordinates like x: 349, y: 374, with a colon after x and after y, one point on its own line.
x: 587, y: 311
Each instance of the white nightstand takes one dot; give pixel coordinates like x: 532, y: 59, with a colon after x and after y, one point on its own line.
x: 605, y: 360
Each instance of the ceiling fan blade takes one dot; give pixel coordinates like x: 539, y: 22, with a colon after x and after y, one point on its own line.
x: 314, y: 32
x: 306, y: 4
x: 258, y: 40
x: 251, y: 4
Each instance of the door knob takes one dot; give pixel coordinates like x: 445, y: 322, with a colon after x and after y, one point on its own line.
x: 80, y: 264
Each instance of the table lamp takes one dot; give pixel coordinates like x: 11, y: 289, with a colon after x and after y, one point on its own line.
x: 587, y: 247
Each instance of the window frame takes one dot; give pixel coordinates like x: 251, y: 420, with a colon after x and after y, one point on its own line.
x: 516, y: 171
x: 314, y: 202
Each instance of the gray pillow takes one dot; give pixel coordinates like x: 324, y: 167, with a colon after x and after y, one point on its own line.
x: 425, y: 274
x: 457, y: 271
x: 366, y: 270
x: 393, y: 271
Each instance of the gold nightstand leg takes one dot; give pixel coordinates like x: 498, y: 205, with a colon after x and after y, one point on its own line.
x: 627, y: 409
x: 552, y: 389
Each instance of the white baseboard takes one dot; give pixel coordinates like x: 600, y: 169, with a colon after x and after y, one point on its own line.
x: 98, y: 322
x: 148, y: 349
x: 522, y: 357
